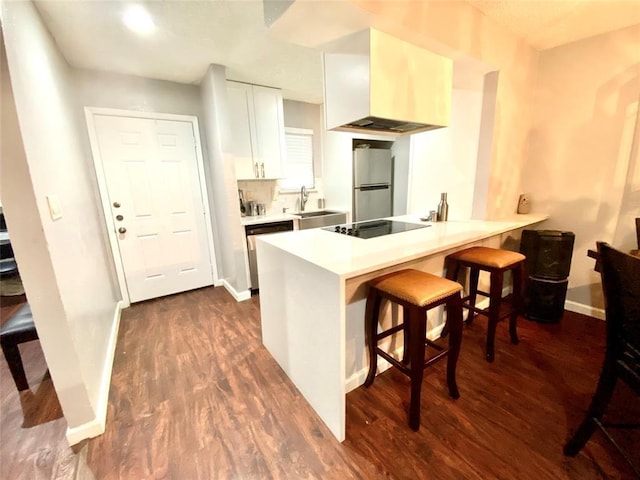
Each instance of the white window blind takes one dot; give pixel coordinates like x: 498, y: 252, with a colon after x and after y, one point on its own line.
x: 299, y: 163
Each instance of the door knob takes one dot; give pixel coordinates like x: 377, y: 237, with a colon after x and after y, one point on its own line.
x: 122, y: 230
x: 119, y: 217
x: 116, y: 204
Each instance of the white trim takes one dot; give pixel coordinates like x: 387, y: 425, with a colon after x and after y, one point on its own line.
x: 90, y: 113
x: 97, y: 426
x: 205, y: 198
x: 239, y: 296
x: 595, y: 312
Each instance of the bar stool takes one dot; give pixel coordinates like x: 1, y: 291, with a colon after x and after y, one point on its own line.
x: 496, y: 262
x: 416, y: 292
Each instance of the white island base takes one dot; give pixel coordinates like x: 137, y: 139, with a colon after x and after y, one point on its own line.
x: 313, y: 286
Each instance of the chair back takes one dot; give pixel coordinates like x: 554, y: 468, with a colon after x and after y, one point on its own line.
x: 638, y: 232
x: 621, y: 285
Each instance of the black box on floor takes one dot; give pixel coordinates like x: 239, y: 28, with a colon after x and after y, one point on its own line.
x: 544, y: 299
x: 548, y: 253
x: 547, y: 267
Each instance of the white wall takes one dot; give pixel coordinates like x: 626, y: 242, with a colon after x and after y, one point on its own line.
x: 337, y: 169
x: 224, y: 188
x: 444, y: 160
x: 65, y: 264
x: 306, y: 115
x: 108, y: 90
x: 401, y: 166
x: 582, y: 167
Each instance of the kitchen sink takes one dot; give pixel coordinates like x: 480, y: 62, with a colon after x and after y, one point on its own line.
x: 316, y: 214
x: 320, y: 218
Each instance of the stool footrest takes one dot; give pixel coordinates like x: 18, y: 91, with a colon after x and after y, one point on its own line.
x: 407, y: 370
x: 391, y: 331
x: 403, y: 368
x: 485, y: 311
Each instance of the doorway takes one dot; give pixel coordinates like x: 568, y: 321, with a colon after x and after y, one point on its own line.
x: 151, y: 179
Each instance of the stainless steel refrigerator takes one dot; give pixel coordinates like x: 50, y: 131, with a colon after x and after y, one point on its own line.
x: 372, y: 184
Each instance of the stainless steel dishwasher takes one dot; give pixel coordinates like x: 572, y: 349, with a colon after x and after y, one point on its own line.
x: 261, y: 229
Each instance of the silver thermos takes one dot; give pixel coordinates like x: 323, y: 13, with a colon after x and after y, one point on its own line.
x: 443, y: 208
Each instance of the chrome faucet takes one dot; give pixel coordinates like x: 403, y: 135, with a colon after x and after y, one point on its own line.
x: 304, y: 196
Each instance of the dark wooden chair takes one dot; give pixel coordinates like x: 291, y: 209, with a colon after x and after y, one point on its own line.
x: 620, y: 274
x: 20, y: 328
x: 8, y: 265
x: 638, y: 232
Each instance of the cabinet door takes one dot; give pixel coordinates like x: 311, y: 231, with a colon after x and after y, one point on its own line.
x: 242, y: 140
x: 269, y: 122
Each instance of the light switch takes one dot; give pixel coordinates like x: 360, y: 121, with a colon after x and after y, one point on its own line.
x: 55, y: 209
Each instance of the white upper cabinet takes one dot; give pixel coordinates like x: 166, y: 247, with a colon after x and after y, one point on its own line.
x: 257, y: 130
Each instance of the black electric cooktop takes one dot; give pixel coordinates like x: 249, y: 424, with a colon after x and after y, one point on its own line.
x: 374, y: 228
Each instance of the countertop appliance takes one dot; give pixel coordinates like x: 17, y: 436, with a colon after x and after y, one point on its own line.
x: 252, y: 232
x: 372, y: 183
x: 374, y: 228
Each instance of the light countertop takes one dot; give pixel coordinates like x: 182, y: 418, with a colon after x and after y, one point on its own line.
x: 270, y: 218
x: 350, y: 256
x: 276, y: 217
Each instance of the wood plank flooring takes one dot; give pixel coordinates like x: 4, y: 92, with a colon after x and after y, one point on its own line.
x: 195, y: 395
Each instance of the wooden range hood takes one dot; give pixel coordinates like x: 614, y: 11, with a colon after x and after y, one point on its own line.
x: 390, y: 87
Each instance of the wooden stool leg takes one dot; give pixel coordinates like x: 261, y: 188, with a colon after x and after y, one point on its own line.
x: 418, y: 327
x: 517, y: 276
x: 454, y: 318
x: 495, y: 296
x: 599, y: 403
x: 12, y: 355
x: 406, y: 332
x: 474, y: 274
x: 371, y: 314
x: 452, y: 267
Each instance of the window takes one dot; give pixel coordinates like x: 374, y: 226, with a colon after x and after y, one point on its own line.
x: 298, y: 168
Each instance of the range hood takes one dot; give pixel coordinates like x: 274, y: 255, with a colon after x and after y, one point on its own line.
x: 389, y: 87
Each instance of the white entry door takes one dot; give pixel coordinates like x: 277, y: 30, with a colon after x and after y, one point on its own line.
x: 155, y: 196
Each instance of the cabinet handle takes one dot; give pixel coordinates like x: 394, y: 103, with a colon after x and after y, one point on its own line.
x: 256, y: 172
x: 262, y: 167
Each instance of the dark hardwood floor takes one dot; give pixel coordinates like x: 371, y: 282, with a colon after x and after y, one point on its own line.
x: 195, y: 395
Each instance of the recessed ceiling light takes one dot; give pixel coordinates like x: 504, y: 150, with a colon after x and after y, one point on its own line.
x: 138, y: 20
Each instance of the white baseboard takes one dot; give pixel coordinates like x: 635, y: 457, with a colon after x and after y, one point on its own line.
x: 584, y: 309
x: 97, y: 426
x: 239, y: 296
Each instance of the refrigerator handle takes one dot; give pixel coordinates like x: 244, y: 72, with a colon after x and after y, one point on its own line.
x: 373, y: 186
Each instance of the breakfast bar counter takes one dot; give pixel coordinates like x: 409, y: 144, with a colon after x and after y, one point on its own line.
x: 313, y: 291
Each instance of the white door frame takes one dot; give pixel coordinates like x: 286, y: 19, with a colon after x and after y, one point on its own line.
x: 90, y: 113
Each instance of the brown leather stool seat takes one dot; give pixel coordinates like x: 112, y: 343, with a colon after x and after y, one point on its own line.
x: 20, y: 328
x: 495, y: 261
x: 417, y: 292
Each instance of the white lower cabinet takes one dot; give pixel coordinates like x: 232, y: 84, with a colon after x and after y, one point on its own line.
x: 257, y: 130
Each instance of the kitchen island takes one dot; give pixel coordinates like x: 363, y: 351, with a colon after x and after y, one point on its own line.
x: 313, y: 287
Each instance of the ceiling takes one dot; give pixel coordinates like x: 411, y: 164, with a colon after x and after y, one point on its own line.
x: 549, y: 23
x: 191, y: 35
